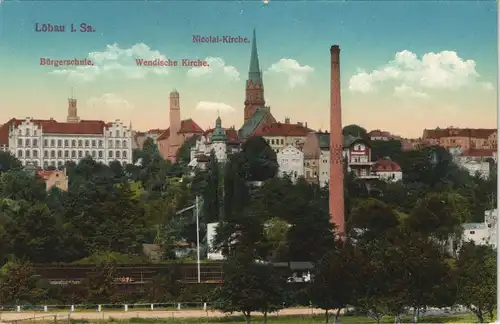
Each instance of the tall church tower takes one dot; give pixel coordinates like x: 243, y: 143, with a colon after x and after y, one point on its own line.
x: 254, y: 93
x: 174, y: 140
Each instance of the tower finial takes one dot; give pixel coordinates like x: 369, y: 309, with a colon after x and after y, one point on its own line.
x: 72, y: 93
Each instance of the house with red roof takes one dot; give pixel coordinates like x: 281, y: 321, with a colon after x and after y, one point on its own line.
x: 54, y: 178
x: 475, y: 161
x: 171, y: 140
x: 43, y: 143
x: 387, y: 170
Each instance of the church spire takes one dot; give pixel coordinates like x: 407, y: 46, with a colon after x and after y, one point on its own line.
x: 254, y: 73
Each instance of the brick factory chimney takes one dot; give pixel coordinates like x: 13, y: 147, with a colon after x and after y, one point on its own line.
x: 336, y: 157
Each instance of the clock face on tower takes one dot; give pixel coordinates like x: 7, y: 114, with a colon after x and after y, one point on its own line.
x: 336, y: 153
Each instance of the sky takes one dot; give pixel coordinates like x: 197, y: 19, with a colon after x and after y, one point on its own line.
x: 405, y: 66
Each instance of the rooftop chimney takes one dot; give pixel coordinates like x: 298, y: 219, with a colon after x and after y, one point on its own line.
x: 287, y: 120
x: 299, y: 123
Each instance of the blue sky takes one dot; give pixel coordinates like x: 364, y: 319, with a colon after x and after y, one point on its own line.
x: 369, y: 34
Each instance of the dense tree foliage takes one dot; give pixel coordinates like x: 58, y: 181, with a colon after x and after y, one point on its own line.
x: 402, y: 253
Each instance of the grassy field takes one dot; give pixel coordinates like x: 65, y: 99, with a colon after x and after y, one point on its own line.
x: 290, y: 320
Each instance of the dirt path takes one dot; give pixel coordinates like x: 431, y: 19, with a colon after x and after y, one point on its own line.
x: 121, y: 315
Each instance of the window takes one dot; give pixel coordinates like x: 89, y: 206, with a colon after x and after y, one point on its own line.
x: 20, y: 142
x: 99, y: 154
x: 45, y: 142
x: 35, y: 133
x: 100, y: 143
x: 35, y: 163
x: 80, y: 154
x: 52, y: 143
x: 19, y: 132
x: 27, y: 143
x: 59, y: 164
x: 19, y: 153
x: 124, y: 154
x: 110, y: 154
x: 117, y: 144
x: 73, y: 143
x: 73, y: 154
x: 117, y: 154
x: 282, y: 141
x: 79, y: 143
x: 52, y: 154
x: 86, y: 143
x: 93, y: 143
x: 35, y: 154
x: 53, y: 163
x: 59, y: 143
x: 46, y: 154
x: 45, y: 164
x: 27, y: 154
x: 472, y: 232
x: 117, y: 133
x: 110, y: 143
x: 66, y: 154
x: 35, y: 143
x: 59, y: 154
x: 87, y: 153
x: 27, y: 132
x: 124, y: 144
x: 66, y: 143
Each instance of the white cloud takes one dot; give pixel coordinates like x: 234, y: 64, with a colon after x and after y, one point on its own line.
x: 110, y: 101
x: 216, y: 66
x: 214, y: 106
x: 116, y: 61
x: 488, y: 86
x: 404, y: 91
x: 297, y: 74
x: 444, y: 70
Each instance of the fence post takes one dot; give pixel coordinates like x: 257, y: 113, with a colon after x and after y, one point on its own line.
x: 152, y: 306
x: 18, y: 309
x: 205, y: 306
x: 126, y: 308
x: 99, y: 308
x: 45, y: 309
x: 55, y: 318
x: 179, y: 306
x: 72, y: 309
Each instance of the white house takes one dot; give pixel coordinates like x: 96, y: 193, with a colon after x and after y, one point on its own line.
x: 474, y: 160
x: 291, y: 162
x: 387, y: 170
x: 482, y: 233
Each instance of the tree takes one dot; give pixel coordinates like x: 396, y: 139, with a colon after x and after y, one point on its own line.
x: 383, y: 149
x: 260, y: 161
x: 100, y: 285
x: 439, y: 215
x: 19, y: 185
x: 248, y: 287
x: 183, y: 155
x: 476, y: 270
x: 335, y: 280
x: 9, y: 162
x: 371, y: 219
x: 421, y: 274
x: 356, y: 131
x: 212, y: 190
x: 19, y: 283
x: 35, y: 235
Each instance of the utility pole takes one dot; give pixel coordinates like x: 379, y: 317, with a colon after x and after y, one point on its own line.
x: 197, y: 211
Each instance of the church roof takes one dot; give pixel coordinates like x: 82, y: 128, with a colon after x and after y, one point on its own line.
x: 187, y: 126
x: 254, y: 73
x: 251, y: 124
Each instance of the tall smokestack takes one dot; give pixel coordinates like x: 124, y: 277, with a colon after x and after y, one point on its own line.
x: 336, y: 156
